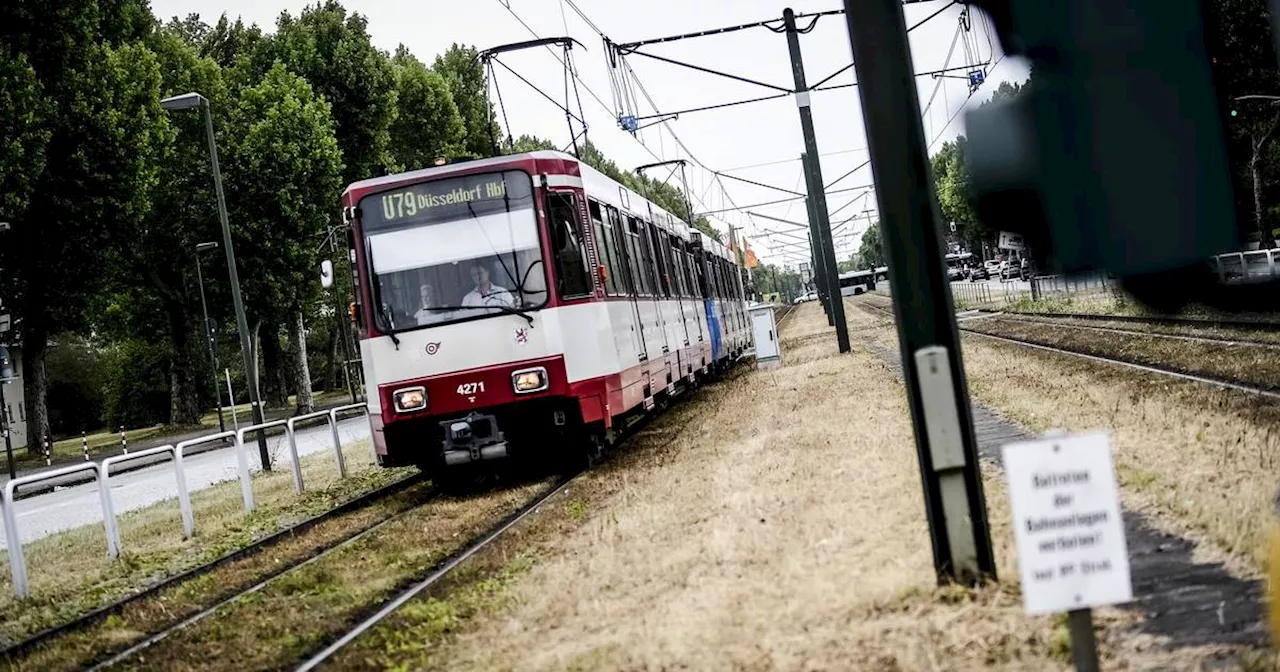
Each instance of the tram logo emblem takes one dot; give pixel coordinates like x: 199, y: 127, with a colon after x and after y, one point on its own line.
x: 522, y: 337
x: 433, y: 348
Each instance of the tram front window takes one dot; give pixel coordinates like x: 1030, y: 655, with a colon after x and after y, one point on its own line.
x: 454, y: 249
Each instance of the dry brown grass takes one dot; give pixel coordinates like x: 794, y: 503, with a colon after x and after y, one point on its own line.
x: 1200, y: 461
x: 779, y: 527
x: 70, y: 574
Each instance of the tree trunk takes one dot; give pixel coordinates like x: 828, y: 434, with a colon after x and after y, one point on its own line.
x: 274, y: 391
x: 184, y: 400
x: 301, y: 371
x: 36, y: 391
x: 1255, y: 169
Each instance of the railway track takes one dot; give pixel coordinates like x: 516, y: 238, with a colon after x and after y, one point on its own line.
x: 321, y: 553
x: 438, y: 572
x: 1172, y: 320
x: 393, y: 605
x: 268, y: 542
x: 1061, y: 322
x: 1171, y: 372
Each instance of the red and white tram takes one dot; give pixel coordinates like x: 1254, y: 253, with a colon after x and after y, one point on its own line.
x: 521, y: 304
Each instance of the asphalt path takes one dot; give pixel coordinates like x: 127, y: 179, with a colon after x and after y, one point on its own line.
x: 70, y: 507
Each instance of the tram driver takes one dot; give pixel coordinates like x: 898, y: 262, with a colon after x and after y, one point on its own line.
x: 486, y: 293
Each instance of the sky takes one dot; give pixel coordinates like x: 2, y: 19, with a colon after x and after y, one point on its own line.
x: 760, y: 142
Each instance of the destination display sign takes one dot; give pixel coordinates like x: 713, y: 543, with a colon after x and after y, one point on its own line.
x: 449, y: 198
x: 1072, y: 552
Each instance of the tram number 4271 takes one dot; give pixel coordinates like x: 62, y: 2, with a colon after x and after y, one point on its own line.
x: 470, y: 388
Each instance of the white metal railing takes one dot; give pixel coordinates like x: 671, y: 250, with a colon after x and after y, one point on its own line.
x: 184, y: 500
x: 13, y: 538
x: 1245, y: 267
x: 363, y: 407
x: 178, y: 453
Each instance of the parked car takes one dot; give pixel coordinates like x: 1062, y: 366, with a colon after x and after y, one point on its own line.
x: 1009, y: 270
x: 955, y: 273
x: 977, y: 273
x: 807, y: 296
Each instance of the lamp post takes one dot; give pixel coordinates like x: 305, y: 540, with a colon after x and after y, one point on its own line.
x: 6, y: 377
x: 208, y: 332
x: 194, y: 100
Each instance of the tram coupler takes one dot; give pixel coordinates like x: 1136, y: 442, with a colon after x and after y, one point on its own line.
x: 472, y: 439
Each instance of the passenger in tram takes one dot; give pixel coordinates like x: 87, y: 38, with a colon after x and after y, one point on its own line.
x: 486, y: 293
x: 428, y: 308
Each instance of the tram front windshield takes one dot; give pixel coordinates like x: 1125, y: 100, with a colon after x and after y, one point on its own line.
x: 453, y: 249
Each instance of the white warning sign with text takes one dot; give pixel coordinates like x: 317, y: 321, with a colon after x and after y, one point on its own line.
x: 1066, y: 517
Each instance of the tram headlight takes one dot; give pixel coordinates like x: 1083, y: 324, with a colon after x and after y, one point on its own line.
x: 526, y: 381
x: 410, y: 399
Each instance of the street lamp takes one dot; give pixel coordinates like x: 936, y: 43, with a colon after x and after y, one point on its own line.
x: 208, y: 331
x: 189, y: 101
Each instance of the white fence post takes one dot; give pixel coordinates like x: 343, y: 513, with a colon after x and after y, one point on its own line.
x: 337, y: 442
x: 179, y: 467
x: 242, y: 468
x: 13, y: 536
x: 184, y: 504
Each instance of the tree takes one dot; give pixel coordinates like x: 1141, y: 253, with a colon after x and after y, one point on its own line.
x: 92, y: 172
x: 332, y: 51
x: 460, y: 66
x: 1244, y: 62
x: 871, y: 251
x: 284, y: 173
x: 153, y: 293
x: 427, y: 123
x: 956, y: 197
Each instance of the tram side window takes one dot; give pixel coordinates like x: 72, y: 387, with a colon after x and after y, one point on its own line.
x: 572, y: 279
x: 603, y: 250
x: 653, y: 260
x: 617, y: 282
x: 641, y: 261
x: 668, y: 272
x: 695, y: 275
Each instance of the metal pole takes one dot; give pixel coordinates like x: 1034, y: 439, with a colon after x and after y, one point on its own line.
x: 231, y: 401
x: 242, y: 323
x: 6, y: 423
x: 927, y: 331
x: 1084, y: 645
x: 813, y: 175
x: 208, y: 338
x: 815, y: 248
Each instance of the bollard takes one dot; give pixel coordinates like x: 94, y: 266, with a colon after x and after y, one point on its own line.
x: 48, y: 460
x: 84, y: 445
x: 124, y: 443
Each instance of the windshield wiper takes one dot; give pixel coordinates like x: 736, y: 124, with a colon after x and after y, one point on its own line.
x: 385, y: 312
x: 502, y: 308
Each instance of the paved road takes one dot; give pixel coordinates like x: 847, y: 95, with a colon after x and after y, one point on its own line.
x: 78, y: 505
